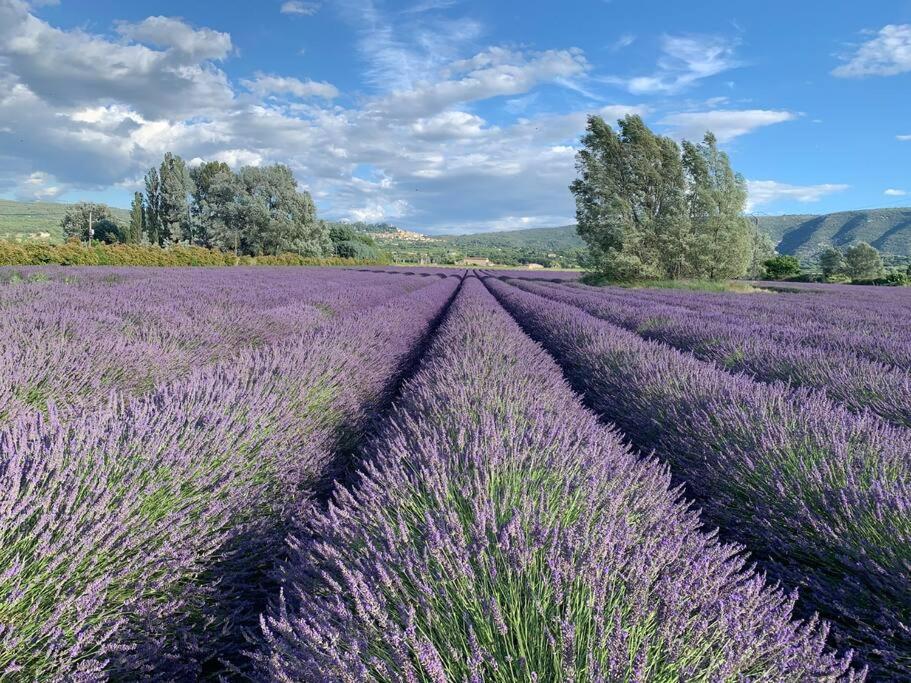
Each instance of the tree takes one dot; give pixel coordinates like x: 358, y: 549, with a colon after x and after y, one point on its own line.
x: 761, y: 250
x: 109, y: 231
x: 630, y: 192
x: 782, y: 267
x: 647, y: 211
x: 205, y: 209
x: 153, y: 212
x: 863, y: 262
x: 280, y: 218
x: 832, y: 262
x: 720, y: 238
x: 176, y: 188
x: 79, y: 217
x: 137, y: 217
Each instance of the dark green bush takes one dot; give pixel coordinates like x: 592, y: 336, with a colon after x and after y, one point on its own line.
x: 99, y: 254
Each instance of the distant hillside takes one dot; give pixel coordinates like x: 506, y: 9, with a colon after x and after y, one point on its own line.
x: 38, y: 220
x: 543, y: 239
x: 804, y: 236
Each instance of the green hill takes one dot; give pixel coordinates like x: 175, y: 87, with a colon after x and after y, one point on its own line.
x: 38, y: 220
x: 805, y: 236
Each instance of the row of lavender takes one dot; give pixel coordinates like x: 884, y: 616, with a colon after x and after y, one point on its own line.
x: 821, y: 494
x: 738, y: 343
x: 70, y: 336
x: 137, y: 535
x: 873, y: 327
x: 501, y: 533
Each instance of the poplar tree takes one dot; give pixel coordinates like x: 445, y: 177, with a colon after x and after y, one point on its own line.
x: 134, y: 234
x: 153, y: 207
x: 176, y: 188
x: 721, y: 236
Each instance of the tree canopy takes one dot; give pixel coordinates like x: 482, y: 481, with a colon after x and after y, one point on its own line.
x: 646, y: 209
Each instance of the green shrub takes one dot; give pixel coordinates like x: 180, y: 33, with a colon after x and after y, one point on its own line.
x: 99, y: 254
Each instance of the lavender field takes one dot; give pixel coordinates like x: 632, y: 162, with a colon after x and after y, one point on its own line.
x: 289, y: 474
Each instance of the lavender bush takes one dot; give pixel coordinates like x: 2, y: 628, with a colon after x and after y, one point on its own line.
x: 500, y: 533
x: 740, y: 345
x: 135, y: 532
x: 824, y: 495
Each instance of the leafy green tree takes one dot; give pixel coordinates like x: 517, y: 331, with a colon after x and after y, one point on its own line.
x: 109, y: 231
x: 863, y: 262
x: 77, y: 219
x: 719, y: 241
x: 646, y: 211
x: 832, y: 262
x: 761, y: 250
x: 176, y: 189
x: 206, y: 210
x: 153, y: 207
x: 629, y: 197
x: 137, y: 216
x: 280, y: 217
x: 782, y: 267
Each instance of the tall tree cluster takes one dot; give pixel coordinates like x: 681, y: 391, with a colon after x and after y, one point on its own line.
x: 649, y: 210
x: 255, y: 211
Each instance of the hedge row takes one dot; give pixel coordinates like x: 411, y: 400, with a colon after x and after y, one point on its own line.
x: 77, y: 254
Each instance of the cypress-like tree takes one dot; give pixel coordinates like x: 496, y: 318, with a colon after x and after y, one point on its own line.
x: 134, y: 234
x: 176, y: 188
x: 153, y: 206
x: 721, y: 235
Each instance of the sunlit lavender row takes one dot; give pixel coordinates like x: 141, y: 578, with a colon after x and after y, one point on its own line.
x: 139, y: 533
x: 499, y: 533
x: 821, y: 495
x: 733, y: 340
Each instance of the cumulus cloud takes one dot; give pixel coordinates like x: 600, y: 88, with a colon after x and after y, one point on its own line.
x: 268, y: 84
x: 726, y: 124
x: 492, y: 73
x: 768, y: 191
x: 892, y: 192
x: 887, y: 54
x: 300, y: 8
x: 903, y: 138
x: 74, y: 68
x: 168, y: 32
x: 685, y: 60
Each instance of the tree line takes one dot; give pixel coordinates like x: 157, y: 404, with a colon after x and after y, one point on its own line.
x: 649, y: 208
x: 255, y: 211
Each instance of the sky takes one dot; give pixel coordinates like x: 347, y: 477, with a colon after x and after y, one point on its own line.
x: 453, y: 115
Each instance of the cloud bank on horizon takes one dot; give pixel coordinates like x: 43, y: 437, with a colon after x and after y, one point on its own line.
x: 447, y: 115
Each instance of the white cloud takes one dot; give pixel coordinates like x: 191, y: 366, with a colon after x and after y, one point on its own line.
x: 268, y: 84
x: 888, y: 54
x: 903, y: 138
x: 769, y: 191
x: 623, y: 41
x: 449, y: 125
x: 168, y: 32
x: 72, y: 68
x: 38, y: 186
x: 892, y: 192
x: 685, y: 61
x: 300, y: 8
x: 726, y: 124
x: 492, y: 73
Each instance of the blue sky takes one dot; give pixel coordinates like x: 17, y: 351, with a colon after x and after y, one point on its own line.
x: 453, y: 115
